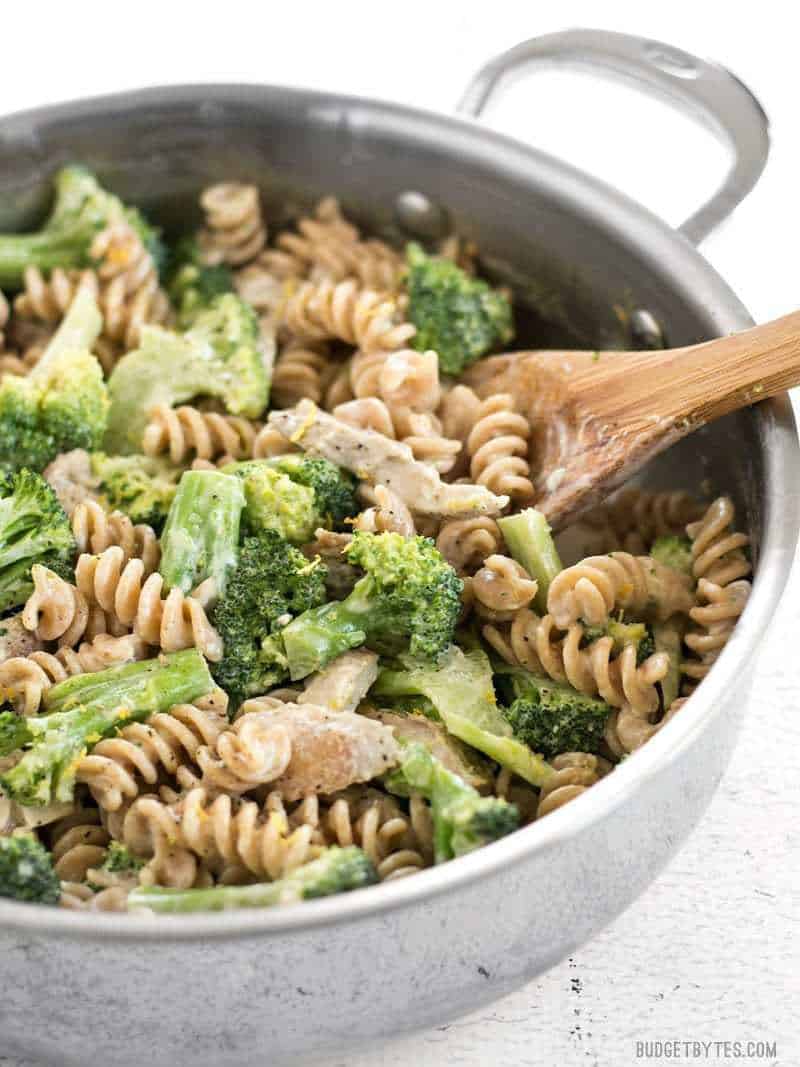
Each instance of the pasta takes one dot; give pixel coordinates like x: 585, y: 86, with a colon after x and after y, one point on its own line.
x: 185, y: 430
x: 235, y: 231
x: 300, y: 746
x: 121, y: 590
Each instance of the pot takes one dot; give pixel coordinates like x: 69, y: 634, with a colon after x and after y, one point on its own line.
x: 593, y: 268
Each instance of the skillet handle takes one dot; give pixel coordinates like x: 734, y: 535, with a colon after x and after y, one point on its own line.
x: 705, y: 91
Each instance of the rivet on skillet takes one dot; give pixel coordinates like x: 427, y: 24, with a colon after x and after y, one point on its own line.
x: 420, y: 216
x: 646, y: 330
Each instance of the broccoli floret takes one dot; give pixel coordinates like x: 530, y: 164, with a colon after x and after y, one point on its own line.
x: 26, y: 871
x: 552, y: 717
x: 408, y: 600
x: 81, y: 208
x: 63, y: 402
x: 85, y: 708
x: 33, y: 529
x: 201, y: 534
x: 274, y: 502
x: 295, y: 497
x: 272, y: 582
x: 529, y: 540
x: 673, y: 551
x: 221, y: 355
x: 668, y: 637
x: 461, y: 689
x: 141, y: 486
x: 336, y: 870
x: 463, y: 820
x: 193, y: 284
x: 13, y: 731
x: 334, y: 488
x: 120, y: 860
x: 461, y: 318
x: 622, y: 634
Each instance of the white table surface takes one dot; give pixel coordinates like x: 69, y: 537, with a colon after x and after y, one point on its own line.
x: 711, y: 951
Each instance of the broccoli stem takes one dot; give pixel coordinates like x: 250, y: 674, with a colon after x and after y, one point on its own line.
x: 201, y: 534
x: 668, y: 637
x: 79, y: 330
x: 337, y: 870
x: 46, y: 250
x: 141, y: 688
x: 530, y: 541
x: 319, y: 635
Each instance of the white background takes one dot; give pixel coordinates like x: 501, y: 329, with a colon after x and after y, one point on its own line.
x: 711, y: 951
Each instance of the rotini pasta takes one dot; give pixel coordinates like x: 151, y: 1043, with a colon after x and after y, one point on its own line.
x: 346, y: 312
x: 235, y: 232
x: 498, y: 447
x: 58, y: 611
x: 185, y: 430
x: 575, y: 772
x: 95, y: 530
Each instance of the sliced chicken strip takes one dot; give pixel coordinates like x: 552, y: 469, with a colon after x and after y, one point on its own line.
x: 377, y: 459
x: 330, y: 749
x: 344, y: 683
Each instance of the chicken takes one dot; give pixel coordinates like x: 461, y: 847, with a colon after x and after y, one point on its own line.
x: 379, y: 460
x: 330, y: 749
x: 344, y: 683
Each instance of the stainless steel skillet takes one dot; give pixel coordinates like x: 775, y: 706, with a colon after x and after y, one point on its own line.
x: 594, y: 268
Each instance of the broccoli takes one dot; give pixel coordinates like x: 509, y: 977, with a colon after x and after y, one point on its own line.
x: 668, y: 637
x: 63, y: 402
x: 87, y: 707
x: 529, y: 540
x: 462, y: 691
x: 408, y: 600
x: 272, y: 582
x: 26, y: 870
x: 33, y: 529
x: 622, y: 634
x: 193, y: 285
x: 463, y: 820
x: 220, y: 355
x: 80, y: 210
x: 13, y: 731
x: 201, y: 534
x: 459, y: 317
x: 334, y: 488
x: 141, y: 486
x: 673, y: 551
x: 120, y: 860
x: 295, y: 498
x: 336, y: 870
x: 552, y: 717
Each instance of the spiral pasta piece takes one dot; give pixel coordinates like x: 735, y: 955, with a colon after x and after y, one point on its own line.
x: 501, y: 587
x: 346, y: 312
x: 77, y: 842
x: 58, y: 611
x: 395, y: 844
x: 222, y: 832
x: 235, y: 232
x: 25, y: 679
x: 95, y: 530
x: 627, y: 729
x: 122, y: 591
x: 299, y: 372
x: 410, y: 379
x: 538, y: 645
x: 185, y: 430
x: 251, y: 753
x: 270, y: 442
x: 466, y: 543
x: 638, y: 516
x: 717, y: 549
x: 593, y: 589
x: 169, y: 742
x: 498, y: 446
x: 49, y: 299
x: 575, y: 772
x: 422, y: 432
x: 389, y: 514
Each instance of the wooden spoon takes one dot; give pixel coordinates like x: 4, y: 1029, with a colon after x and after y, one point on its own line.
x: 597, y: 417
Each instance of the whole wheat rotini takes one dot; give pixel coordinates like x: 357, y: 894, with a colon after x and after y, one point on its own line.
x: 183, y: 431
x: 235, y: 232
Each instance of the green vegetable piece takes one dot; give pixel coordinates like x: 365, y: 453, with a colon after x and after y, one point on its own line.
x: 274, y: 502
x: 461, y: 318
x: 408, y: 600
x: 335, y: 489
x: 193, y: 285
x: 552, y: 717
x: 272, y: 582
x: 33, y: 529
x: 87, y: 707
x: 673, y: 551
x: 201, y: 534
x: 336, y: 870
x: 63, y: 403
x: 222, y: 355
x: 141, y: 486
x: 462, y: 691
x: 26, y: 871
x: 463, y: 820
x: 668, y: 637
x: 530, y: 542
